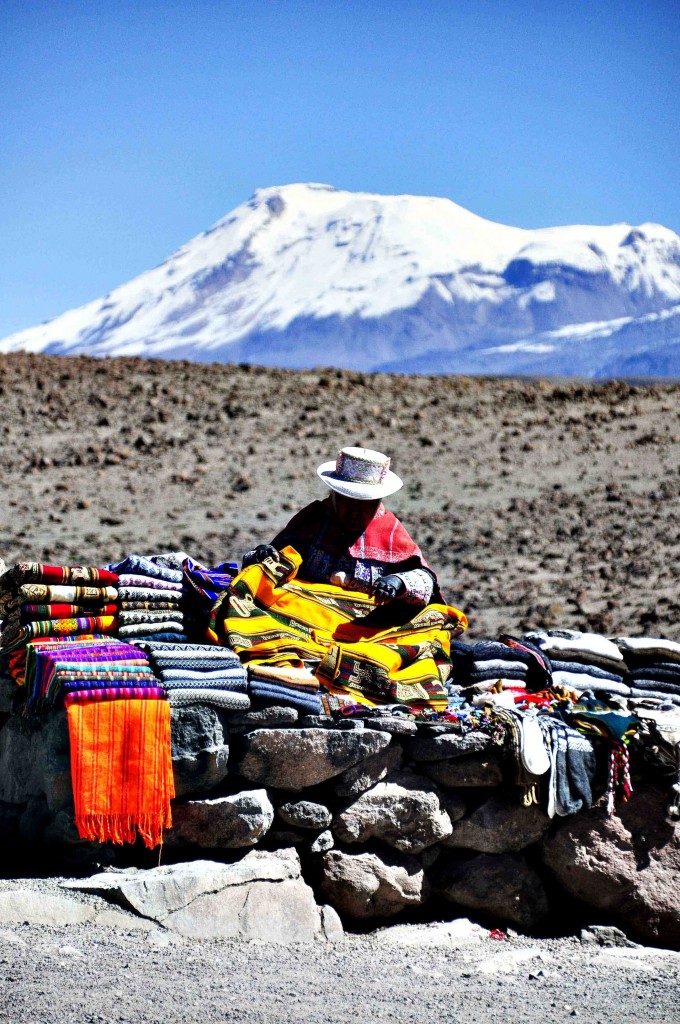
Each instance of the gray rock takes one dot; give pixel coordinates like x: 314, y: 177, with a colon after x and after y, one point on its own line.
x: 626, y: 864
x: 295, y: 759
x: 324, y: 841
x: 373, y: 769
x: 331, y: 925
x: 285, y: 837
x: 367, y: 886
x: 8, y: 693
x: 262, y: 896
x: 305, y: 814
x: 394, y: 724
x: 478, y: 770
x: 61, y: 829
x: 606, y: 936
x: 200, y: 749
x: 502, y: 887
x: 404, y: 811
x: 34, y: 820
x: 126, y: 922
x: 265, y: 717
x: 223, y: 823
x: 499, y: 827
x: 36, y: 762
x: 441, y: 746
x: 327, y: 722
x: 26, y: 906
x: 452, y: 934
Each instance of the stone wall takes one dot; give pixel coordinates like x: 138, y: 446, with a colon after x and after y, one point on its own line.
x: 388, y: 817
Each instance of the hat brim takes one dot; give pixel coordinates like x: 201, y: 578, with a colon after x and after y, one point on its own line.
x: 362, y: 492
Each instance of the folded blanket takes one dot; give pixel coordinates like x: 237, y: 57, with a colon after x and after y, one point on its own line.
x: 131, y: 618
x: 167, y: 636
x: 150, y: 628
x: 120, y: 764
x: 227, y: 699
x: 138, y: 606
x: 571, y: 641
x: 286, y: 675
x: 146, y: 594
x: 143, y: 566
x: 148, y: 582
x: 181, y: 650
x: 31, y: 612
x: 272, y: 693
x: 49, y: 593
x: 667, y: 671
x: 662, y: 685
x: 658, y: 694
x: 107, y: 681
x: 186, y: 681
x: 581, y: 681
x: 586, y: 669
x: 668, y: 650
x: 58, y: 627
x: 36, y: 572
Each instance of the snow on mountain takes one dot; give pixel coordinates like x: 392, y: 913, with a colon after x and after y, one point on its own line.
x: 307, y: 275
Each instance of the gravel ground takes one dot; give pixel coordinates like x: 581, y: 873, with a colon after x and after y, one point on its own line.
x: 92, y: 974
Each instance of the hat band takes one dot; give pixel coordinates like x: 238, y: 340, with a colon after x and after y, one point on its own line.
x: 357, y: 470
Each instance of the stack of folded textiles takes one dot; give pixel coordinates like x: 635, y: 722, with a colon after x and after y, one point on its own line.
x: 583, y: 661
x: 119, y: 733
x: 39, y: 600
x: 150, y: 599
x: 653, y: 665
x: 285, y: 685
x: 199, y: 674
x: 52, y: 669
x: 501, y: 665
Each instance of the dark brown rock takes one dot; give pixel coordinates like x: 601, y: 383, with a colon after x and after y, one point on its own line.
x: 502, y: 887
x: 442, y: 746
x: 475, y: 770
x: 626, y: 864
x: 499, y: 827
x: 370, y: 885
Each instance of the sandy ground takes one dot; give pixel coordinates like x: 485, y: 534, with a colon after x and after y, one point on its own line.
x: 539, y: 503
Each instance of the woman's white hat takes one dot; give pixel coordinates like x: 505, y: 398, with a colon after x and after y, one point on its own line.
x: 360, y: 473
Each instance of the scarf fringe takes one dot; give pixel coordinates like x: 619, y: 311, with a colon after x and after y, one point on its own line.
x: 124, y: 828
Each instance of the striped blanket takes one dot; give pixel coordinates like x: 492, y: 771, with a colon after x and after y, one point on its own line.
x: 269, y: 616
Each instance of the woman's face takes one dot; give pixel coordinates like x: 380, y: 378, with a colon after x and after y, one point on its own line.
x: 354, y: 514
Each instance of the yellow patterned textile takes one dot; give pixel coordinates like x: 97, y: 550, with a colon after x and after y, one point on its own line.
x: 270, y: 617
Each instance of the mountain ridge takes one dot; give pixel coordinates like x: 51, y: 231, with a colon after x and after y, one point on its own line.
x: 306, y: 274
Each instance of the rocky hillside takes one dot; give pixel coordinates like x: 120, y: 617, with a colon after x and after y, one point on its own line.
x: 538, y: 502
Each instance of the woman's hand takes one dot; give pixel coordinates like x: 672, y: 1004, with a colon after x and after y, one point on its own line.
x: 387, y: 588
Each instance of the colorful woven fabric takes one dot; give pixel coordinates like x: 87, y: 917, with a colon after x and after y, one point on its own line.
x: 143, y: 566
x: 55, y: 593
x: 148, y: 583
x: 31, y: 612
x: 36, y: 572
x: 227, y: 699
x: 147, y: 594
x: 58, y: 627
x: 120, y: 765
x: 150, y: 628
x: 269, y: 616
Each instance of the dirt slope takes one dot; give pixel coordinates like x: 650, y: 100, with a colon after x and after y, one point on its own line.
x: 538, y: 502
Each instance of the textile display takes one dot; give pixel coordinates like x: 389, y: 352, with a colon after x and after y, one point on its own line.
x: 35, y: 572
x: 120, y: 766
x: 229, y: 700
x: 270, y: 616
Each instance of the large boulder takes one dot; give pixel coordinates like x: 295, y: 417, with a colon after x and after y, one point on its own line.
x: 404, y: 811
x: 294, y: 759
x: 36, y: 762
x: 368, y: 885
x: 440, y: 746
x: 223, y: 823
x: 200, y: 749
x: 502, y: 887
x: 499, y: 827
x: 626, y: 864
x: 365, y: 774
x: 263, y: 896
x: 305, y: 814
x: 474, y: 770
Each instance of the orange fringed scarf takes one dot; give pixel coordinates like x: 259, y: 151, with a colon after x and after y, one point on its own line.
x: 121, y: 769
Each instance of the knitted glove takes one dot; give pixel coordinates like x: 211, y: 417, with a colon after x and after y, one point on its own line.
x: 387, y: 588
x: 265, y: 551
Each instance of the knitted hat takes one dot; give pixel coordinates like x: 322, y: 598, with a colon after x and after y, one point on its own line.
x: 360, y: 473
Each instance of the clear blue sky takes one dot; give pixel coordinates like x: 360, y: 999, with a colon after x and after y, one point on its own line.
x: 128, y: 127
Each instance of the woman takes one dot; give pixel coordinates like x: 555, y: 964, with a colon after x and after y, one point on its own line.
x: 351, y: 540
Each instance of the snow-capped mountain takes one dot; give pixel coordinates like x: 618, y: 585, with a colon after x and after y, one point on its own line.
x: 307, y: 275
